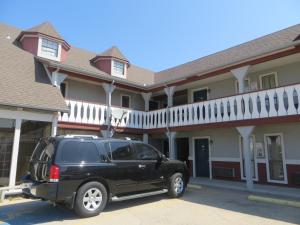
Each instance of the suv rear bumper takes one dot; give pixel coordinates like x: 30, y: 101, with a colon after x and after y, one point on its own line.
x: 46, y: 191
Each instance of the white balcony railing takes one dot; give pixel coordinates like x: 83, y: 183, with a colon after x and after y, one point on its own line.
x: 282, y: 101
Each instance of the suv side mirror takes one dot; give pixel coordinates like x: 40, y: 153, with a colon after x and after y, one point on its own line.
x: 162, y: 158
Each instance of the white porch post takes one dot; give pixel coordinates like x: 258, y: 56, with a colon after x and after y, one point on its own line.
x: 246, y: 132
x: 15, y: 152
x: 170, y: 92
x: 240, y: 74
x: 172, y: 145
x: 146, y: 97
x: 108, y: 88
x: 57, y: 78
x: 54, y: 125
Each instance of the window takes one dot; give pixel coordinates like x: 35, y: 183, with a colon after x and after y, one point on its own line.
x: 200, y: 95
x: 121, y: 151
x: 118, y: 68
x: 145, y: 152
x: 125, y: 101
x: 80, y: 152
x: 268, y: 81
x: 246, y: 85
x: 63, y: 87
x: 49, y: 48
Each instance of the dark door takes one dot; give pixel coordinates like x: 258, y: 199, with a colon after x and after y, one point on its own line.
x: 202, y: 157
x: 150, y: 169
x: 200, y: 95
x: 182, y: 149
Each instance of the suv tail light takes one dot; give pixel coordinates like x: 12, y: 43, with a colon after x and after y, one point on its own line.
x: 54, y: 173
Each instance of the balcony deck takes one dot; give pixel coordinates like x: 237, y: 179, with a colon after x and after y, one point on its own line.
x: 272, y: 104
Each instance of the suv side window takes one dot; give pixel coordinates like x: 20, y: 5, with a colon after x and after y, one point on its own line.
x: 121, y: 150
x: 80, y: 152
x: 145, y: 152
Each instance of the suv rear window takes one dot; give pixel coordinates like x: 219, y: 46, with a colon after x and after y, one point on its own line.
x: 79, y: 152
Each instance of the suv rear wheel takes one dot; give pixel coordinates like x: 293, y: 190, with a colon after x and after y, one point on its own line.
x: 91, y: 199
x: 176, y: 185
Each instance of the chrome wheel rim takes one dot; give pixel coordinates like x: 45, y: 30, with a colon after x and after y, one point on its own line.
x: 92, y: 199
x: 178, y: 185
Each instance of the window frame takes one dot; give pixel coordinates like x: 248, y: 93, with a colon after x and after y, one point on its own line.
x: 113, y: 71
x: 40, y: 53
x: 121, y: 101
x: 268, y: 74
x: 199, y: 89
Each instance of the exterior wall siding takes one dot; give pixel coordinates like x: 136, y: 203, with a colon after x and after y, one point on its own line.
x: 30, y: 44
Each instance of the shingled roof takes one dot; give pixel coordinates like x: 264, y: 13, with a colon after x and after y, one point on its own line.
x: 24, y: 82
x: 114, y: 52
x: 45, y: 28
x: 257, y: 47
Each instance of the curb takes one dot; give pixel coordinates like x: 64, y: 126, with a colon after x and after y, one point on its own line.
x: 276, y: 201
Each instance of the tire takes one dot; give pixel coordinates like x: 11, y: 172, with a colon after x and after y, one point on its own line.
x: 91, y: 199
x: 176, y: 185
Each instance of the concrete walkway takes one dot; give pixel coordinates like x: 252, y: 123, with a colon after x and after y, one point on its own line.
x: 241, y: 186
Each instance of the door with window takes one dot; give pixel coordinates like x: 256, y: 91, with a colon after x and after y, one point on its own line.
x: 253, y: 158
x: 202, y: 157
x: 150, y: 169
x: 200, y: 95
x: 268, y: 81
x: 276, y: 169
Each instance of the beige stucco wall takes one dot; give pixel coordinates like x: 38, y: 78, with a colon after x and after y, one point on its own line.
x: 287, y: 74
x: 95, y: 93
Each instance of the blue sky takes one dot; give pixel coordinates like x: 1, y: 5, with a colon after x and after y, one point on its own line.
x: 156, y: 34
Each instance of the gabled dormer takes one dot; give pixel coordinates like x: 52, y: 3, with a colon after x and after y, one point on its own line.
x: 112, y: 61
x: 45, y: 42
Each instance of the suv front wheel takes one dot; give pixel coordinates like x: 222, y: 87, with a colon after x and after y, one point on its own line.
x: 176, y: 185
x: 91, y: 199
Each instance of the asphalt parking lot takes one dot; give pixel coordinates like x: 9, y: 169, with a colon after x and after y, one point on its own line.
x: 198, y: 206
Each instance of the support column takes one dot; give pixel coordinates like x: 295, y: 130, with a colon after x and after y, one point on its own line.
x: 146, y: 138
x: 108, y: 88
x: 146, y: 97
x: 57, y: 78
x: 172, y: 145
x: 240, y: 74
x: 170, y: 92
x: 54, y: 125
x: 246, y: 132
x: 15, y: 152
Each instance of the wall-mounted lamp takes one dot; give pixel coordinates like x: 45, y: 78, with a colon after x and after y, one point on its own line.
x: 211, y: 142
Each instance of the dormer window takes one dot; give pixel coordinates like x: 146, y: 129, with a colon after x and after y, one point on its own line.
x: 49, y: 49
x: 118, y: 68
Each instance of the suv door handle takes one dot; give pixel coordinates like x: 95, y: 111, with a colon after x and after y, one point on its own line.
x: 141, y: 166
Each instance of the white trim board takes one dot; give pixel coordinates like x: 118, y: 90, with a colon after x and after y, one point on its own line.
x: 11, y: 114
x: 292, y: 161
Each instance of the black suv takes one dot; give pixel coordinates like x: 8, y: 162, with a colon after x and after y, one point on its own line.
x: 86, y: 172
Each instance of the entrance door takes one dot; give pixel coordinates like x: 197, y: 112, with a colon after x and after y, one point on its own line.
x: 200, y: 95
x: 182, y: 146
x: 202, y: 157
x: 276, y: 168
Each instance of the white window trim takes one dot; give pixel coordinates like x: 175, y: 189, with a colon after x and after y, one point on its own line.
x: 236, y: 85
x: 241, y: 159
x: 121, y: 100
x: 267, y: 74
x: 116, y: 74
x: 209, y: 155
x: 199, y: 89
x: 40, y: 52
x: 285, y: 181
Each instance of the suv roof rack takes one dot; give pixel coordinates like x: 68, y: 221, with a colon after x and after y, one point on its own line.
x: 81, y: 136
